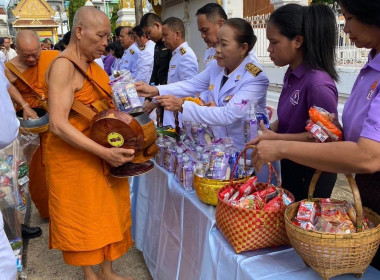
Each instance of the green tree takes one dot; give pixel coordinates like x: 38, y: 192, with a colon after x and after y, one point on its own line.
x: 73, y: 7
x: 114, y: 16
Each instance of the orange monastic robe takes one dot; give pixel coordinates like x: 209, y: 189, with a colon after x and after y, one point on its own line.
x: 90, y: 217
x: 35, y: 76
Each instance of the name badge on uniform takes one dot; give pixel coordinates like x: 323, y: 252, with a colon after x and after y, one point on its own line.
x: 228, y: 98
x: 372, y: 90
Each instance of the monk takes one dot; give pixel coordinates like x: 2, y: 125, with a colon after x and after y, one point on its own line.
x: 90, y: 219
x: 26, y: 74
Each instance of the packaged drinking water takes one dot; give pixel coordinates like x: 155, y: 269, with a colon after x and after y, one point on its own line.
x: 187, y: 174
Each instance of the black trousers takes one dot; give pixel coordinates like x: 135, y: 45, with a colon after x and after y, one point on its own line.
x: 296, y: 179
x: 369, y: 188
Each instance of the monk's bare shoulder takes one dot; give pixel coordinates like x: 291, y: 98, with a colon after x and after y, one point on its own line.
x: 63, y: 72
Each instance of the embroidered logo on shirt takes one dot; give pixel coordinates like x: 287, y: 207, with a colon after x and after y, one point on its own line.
x: 253, y: 69
x: 182, y: 50
x: 295, y: 97
x: 132, y: 51
x: 372, y: 90
x: 242, y: 104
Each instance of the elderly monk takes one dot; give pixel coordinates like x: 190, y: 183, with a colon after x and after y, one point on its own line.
x: 26, y: 74
x: 90, y: 216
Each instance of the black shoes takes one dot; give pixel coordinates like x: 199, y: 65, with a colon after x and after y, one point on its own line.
x: 30, y: 232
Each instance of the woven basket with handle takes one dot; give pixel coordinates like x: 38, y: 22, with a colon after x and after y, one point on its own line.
x: 335, y: 254
x: 249, y: 229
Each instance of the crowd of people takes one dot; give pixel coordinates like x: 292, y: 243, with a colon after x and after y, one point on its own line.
x: 88, y: 210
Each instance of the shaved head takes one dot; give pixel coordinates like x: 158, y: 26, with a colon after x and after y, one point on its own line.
x: 87, y: 16
x: 25, y: 38
x: 28, y: 47
x: 90, y: 32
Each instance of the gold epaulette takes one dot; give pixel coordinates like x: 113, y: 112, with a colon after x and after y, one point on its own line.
x: 253, y: 69
x: 182, y: 50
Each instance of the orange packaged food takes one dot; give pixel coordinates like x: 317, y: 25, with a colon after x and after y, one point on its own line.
x: 326, y: 121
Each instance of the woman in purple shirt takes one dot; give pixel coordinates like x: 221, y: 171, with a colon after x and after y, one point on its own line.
x: 360, y: 152
x: 295, y: 38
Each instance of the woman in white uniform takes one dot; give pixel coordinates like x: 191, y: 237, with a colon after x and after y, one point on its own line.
x: 234, y: 80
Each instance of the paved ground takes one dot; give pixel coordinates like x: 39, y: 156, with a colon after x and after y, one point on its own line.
x: 44, y: 264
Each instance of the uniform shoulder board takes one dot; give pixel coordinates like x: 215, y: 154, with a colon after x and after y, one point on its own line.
x: 182, y: 50
x: 253, y: 69
x: 132, y: 51
x: 214, y: 56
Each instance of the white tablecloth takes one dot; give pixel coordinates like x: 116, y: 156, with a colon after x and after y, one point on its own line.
x: 176, y: 233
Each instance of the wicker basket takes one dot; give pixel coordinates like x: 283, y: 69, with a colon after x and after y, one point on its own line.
x: 207, y: 189
x: 335, y: 254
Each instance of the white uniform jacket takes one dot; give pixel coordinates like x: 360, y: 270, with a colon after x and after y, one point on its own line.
x: 183, y: 66
x: 144, y: 65
x: 247, y: 84
x: 129, y: 59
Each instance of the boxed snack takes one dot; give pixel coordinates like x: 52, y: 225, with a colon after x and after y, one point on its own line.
x: 307, y: 211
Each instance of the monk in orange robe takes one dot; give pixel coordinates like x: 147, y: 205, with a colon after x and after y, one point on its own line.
x: 90, y: 219
x: 26, y: 73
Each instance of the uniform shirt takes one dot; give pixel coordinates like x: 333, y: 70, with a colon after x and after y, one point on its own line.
x: 211, y: 52
x: 108, y: 61
x: 9, y: 123
x: 129, y: 60
x: 361, y: 116
x: 3, y: 58
x: 209, y: 57
x: 116, y: 64
x: 242, y: 89
x: 182, y: 66
x: 10, y: 54
x: 145, y: 63
x: 304, y: 88
x: 162, y: 56
x: 99, y: 61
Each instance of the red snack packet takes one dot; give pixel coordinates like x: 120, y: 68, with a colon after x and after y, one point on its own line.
x: 317, y: 132
x: 248, y: 187
x: 307, y: 211
x: 303, y: 224
x: 268, y: 193
x: 226, y: 194
x: 275, y: 204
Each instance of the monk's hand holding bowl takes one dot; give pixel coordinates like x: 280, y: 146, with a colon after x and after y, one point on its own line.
x: 145, y: 90
x: 149, y: 106
x: 118, y: 156
x: 170, y: 102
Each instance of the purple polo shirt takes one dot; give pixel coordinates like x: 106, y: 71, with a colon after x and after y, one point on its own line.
x: 361, y: 114
x: 108, y: 60
x: 304, y: 88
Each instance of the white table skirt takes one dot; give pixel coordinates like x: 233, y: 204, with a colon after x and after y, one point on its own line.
x: 176, y: 233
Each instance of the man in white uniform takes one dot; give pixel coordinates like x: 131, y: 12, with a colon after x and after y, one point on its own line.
x: 209, y: 19
x: 8, y: 51
x: 145, y: 57
x: 184, y: 64
x: 129, y: 59
x: 9, y: 125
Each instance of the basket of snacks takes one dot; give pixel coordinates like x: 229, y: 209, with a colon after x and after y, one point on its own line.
x: 212, y: 173
x: 251, y: 215
x: 332, y: 236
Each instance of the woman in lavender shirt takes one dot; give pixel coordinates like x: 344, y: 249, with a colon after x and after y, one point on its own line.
x: 295, y: 38
x: 360, y: 152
